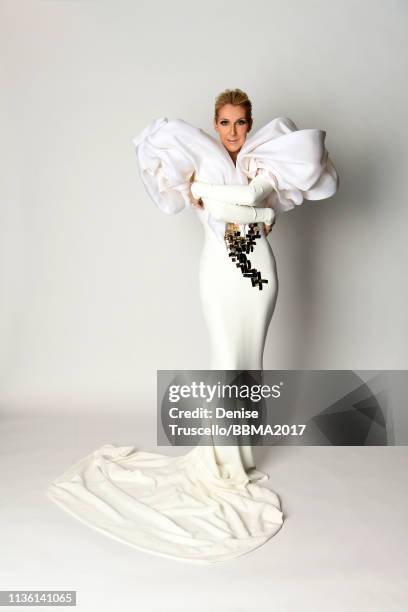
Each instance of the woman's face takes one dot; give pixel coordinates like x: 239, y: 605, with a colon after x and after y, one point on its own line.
x: 232, y: 126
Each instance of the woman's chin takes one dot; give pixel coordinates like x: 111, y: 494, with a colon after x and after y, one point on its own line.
x: 232, y: 148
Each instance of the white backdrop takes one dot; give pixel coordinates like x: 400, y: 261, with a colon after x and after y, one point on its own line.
x: 98, y: 287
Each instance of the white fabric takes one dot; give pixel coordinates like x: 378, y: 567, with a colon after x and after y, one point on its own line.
x: 206, y: 506
x: 255, y: 192
x: 233, y: 202
x: 237, y: 213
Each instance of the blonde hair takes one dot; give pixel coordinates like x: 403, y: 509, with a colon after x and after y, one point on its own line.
x: 237, y: 97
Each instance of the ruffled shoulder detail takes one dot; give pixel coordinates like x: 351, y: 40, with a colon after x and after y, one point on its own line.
x: 169, y: 152
x: 164, y: 163
x: 295, y: 161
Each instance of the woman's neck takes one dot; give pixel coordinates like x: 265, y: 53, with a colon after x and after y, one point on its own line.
x: 233, y: 156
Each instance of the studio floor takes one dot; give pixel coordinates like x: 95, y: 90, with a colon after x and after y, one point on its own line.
x: 343, y: 545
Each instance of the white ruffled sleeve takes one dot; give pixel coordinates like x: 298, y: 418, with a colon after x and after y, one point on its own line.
x: 164, y: 164
x: 296, y: 162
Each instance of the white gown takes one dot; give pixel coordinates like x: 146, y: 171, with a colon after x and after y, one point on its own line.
x: 208, y: 505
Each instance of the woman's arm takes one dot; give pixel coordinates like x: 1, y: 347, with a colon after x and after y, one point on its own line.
x: 237, y: 213
x: 257, y: 190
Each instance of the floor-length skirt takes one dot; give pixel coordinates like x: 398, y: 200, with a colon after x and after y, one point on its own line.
x: 208, y: 505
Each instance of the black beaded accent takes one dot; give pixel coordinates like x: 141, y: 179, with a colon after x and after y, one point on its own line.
x: 239, y: 247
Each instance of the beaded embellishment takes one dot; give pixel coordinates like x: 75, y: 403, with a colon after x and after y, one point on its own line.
x: 239, y: 247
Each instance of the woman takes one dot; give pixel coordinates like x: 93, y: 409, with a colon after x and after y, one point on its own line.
x: 237, y: 335
x: 207, y: 506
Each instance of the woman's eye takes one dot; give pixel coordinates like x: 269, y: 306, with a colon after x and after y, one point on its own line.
x: 240, y: 122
